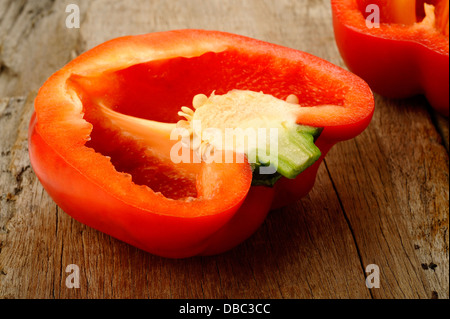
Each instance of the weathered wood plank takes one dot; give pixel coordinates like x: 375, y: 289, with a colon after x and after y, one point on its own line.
x: 34, y: 44
x: 378, y: 199
x: 397, y: 199
x: 19, y: 200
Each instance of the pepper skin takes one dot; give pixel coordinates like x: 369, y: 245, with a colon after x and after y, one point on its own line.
x: 402, y: 58
x: 120, y: 184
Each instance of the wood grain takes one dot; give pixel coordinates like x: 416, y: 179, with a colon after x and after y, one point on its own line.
x: 399, y: 205
x: 381, y: 198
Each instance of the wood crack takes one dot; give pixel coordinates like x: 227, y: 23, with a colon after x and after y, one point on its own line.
x: 441, y: 125
x: 347, y: 220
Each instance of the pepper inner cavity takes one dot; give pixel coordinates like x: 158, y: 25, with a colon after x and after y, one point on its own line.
x: 149, y: 151
x: 429, y: 14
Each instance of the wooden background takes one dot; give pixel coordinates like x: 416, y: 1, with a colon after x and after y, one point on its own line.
x: 382, y: 198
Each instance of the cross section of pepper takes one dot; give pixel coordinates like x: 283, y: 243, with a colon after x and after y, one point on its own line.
x: 405, y: 54
x: 100, y: 138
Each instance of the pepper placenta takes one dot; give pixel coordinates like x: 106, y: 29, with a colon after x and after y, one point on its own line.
x: 401, y: 48
x: 100, y: 138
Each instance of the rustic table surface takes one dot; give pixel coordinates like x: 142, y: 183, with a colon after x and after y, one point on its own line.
x: 382, y: 198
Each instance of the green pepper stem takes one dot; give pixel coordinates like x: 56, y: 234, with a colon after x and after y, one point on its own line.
x: 296, y: 152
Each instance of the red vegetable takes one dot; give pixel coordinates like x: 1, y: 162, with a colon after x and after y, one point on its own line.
x: 118, y: 179
x: 408, y: 54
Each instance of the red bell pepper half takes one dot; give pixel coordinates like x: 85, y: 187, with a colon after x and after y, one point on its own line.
x: 98, y: 139
x: 406, y: 54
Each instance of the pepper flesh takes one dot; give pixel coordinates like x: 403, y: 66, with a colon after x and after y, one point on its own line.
x: 406, y: 56
x: 111, y: 177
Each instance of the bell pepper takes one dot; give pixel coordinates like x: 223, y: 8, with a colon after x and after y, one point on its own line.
x: 100, y: 137
x: 403, y: 54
